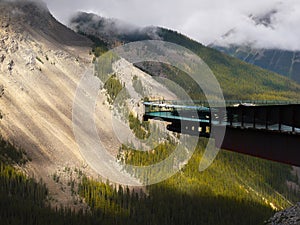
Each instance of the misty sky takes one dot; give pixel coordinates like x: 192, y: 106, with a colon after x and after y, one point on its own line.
x: 204, y: 20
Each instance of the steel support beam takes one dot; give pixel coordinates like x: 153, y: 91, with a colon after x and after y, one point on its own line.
x: 266, y: 144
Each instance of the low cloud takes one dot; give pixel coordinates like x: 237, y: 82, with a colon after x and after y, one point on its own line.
x: 275, y: 27
x: 204, y: 20
x: 111, y: 30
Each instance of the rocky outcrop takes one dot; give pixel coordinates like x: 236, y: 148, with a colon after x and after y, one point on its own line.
x: 290, y: 216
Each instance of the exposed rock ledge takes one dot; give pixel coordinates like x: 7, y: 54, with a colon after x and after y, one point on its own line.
x: 290, y: 216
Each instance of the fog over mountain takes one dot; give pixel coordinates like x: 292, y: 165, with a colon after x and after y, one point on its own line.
x: 204, y: 20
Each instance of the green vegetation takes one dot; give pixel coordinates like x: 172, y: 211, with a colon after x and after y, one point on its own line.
x: 165, y: 206
x: 11, y: 155
x: 99, y: 47
x: 261, y: 175
x: 114, y: 88
x: 180, y: 78
x: 236, y: 189
x: 140, y: 129
x: 238, y: 80
x: 229, y: 192
x: 24, y: 201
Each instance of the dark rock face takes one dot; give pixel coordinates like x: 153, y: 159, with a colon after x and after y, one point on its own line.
x: 290, y: 216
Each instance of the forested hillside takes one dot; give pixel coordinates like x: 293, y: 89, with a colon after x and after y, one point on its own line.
x: 235, y: 190
x: 239, y: 80
x: 25, y: 200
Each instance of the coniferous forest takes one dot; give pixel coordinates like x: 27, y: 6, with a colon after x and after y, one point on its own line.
x: 236, y: 189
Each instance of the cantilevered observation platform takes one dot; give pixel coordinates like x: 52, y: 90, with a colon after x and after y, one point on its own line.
x: 265, y: 129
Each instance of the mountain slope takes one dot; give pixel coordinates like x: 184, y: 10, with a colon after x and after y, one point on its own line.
x: 41, y: 64
x: 286, y: 63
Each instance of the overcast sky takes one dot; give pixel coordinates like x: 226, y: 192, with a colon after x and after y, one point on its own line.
x: 204, y: 20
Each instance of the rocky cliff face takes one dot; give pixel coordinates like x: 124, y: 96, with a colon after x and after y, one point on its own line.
x: 41, y: 62
x: 290, y: 216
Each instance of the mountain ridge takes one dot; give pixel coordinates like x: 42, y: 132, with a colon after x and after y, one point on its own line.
x: 112, y: 31
x: 284, y: 62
